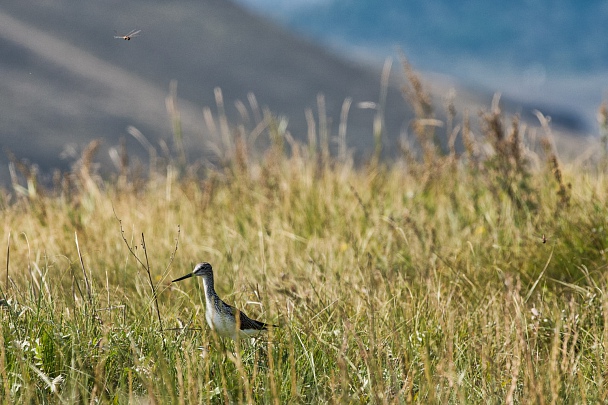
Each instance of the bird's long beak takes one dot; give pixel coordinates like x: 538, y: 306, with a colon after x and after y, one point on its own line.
x: 183, y: 278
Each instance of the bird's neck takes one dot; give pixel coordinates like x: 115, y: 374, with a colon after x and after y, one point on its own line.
x: 208, y: 286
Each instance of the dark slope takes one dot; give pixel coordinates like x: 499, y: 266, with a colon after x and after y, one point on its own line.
x: 65, y: 79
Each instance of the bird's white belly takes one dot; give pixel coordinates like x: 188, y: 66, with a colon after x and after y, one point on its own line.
x: 222, y: 325
x: 225, y: 326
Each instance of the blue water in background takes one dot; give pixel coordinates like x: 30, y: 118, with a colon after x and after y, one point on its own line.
x: 552, y: 53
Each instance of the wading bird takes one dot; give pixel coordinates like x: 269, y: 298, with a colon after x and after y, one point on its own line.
x: 127, y: 37
x: 225, y: 320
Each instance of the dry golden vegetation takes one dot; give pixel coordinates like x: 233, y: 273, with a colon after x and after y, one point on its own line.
x: 455, y: 274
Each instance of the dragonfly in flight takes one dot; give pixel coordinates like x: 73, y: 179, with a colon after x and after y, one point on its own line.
x: 128, y: 36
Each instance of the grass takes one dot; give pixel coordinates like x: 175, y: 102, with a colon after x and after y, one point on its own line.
x: 446, y: 276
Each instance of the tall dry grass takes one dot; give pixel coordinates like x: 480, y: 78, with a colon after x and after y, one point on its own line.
x: 469, y: 270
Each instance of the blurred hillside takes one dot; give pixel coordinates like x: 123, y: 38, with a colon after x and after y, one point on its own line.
x: 66, y: 80
x: 550, y: 55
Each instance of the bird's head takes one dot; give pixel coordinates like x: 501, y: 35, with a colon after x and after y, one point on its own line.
x: 201, y: 270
